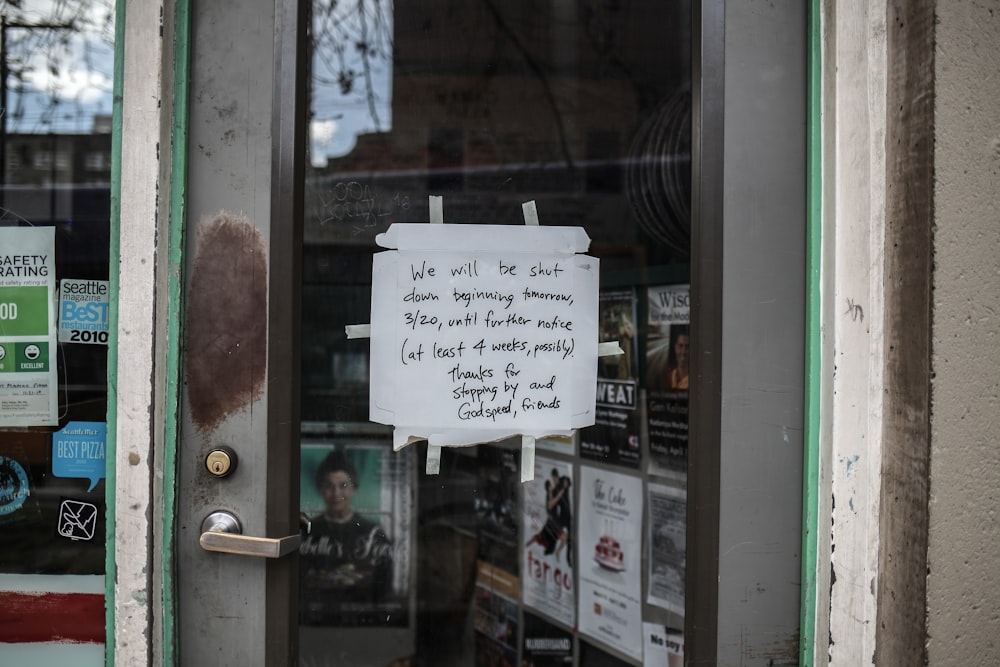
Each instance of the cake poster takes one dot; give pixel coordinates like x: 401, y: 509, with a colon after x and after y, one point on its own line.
x: 609, y: 559
x: 668, y: 346
x: 667, y: 545
x: 545, y: 644
x: 614, y: 437
x: 548, y: 540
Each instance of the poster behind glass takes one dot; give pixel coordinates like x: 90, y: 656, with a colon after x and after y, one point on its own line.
x: 356, y: 502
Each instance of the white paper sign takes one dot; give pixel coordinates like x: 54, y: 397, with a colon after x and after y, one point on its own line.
x: 481, y: 332
x: 663, y: 647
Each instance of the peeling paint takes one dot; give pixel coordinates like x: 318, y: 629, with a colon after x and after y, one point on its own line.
x: 850, y: 464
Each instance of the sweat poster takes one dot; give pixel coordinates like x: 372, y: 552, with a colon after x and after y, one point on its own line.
x: 614, y: 437
x: 609, y: 557
x: 548, y: 540
x: 668, y: 349
x: 28, y: 383
x: 356, y: 551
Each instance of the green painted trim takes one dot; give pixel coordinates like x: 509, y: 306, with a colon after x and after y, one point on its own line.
x: 810, y: 481
x: 176, y: 236
x: 114, y: 253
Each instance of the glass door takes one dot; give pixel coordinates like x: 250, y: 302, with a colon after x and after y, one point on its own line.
x: 584, y: 109
x: 307, y: 530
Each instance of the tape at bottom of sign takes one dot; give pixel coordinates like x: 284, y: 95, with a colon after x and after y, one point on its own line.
x: 527, y: 458
x: 433, y: 459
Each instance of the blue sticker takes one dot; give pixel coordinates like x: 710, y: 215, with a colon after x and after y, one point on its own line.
x: 13, y: 485
x: 78, y: 451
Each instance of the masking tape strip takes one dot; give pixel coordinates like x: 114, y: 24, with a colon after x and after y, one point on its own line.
x: 609, y: 349
x: 358, y: 330
x: 433, y: 459
x: 437, y: 209
x: 527, y: 458
x: 530, y: 213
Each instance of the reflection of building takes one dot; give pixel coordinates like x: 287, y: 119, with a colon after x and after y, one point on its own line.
x: 60, y: 178
x: 499, y: 103
x: 45, y: 159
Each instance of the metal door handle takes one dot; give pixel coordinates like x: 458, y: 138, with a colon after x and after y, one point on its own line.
x: 221, y: 531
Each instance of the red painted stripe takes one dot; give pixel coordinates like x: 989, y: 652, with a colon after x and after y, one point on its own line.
x: 51, y: 617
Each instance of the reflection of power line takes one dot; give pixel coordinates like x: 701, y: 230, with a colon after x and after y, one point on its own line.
x: 6, y: 25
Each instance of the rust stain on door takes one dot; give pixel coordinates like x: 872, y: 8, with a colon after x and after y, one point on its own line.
x: 226, y: 320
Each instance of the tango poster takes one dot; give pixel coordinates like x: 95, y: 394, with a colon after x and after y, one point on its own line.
x: 609, y: 559
x: 548, y: 540
x: 668, y: 347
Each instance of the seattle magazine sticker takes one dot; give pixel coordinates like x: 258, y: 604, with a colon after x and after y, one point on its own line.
x: 83, y: 311
x: 28, y: 383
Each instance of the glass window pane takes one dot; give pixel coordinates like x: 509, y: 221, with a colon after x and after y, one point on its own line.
x: 55, y: 172
x: 583, y: 108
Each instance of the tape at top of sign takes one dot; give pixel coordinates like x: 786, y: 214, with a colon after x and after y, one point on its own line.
x: 495, y: 238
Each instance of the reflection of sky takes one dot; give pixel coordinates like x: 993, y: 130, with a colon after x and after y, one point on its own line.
x: 340, y: 30
x: 59, y: 78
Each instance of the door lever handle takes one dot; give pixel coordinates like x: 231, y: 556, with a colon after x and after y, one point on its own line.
x: 221, y: 531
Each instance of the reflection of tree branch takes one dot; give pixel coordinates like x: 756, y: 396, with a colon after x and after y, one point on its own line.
x: 49, y: 46
x: 365, y: 49
x: 539, y: 72
x: 349, y: 40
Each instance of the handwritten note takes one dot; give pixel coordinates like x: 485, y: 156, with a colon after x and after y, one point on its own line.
x: 492, y: 333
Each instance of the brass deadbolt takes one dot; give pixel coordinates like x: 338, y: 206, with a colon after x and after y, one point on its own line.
x: 221, y: 461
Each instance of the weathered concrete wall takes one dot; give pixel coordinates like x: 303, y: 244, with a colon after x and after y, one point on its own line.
x: 963, y: 598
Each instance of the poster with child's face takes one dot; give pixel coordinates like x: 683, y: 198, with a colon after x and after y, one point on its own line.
x: 355, y: 552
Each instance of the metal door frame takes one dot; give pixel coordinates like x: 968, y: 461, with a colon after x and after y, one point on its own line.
x: 153, y: 117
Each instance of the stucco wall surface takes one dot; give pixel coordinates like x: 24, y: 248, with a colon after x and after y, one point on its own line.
x: 963, y: 595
